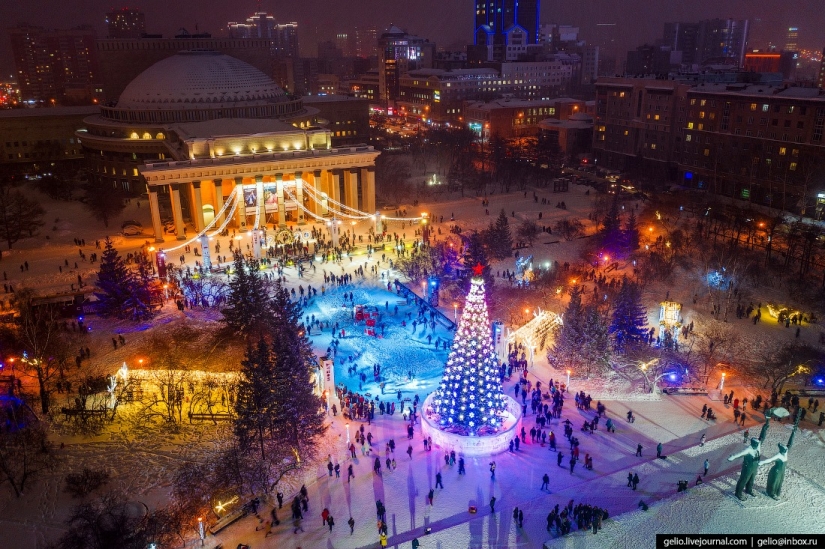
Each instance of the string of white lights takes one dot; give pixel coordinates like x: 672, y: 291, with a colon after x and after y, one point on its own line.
x: 211, y: 223
x: 313, y: 214
x: 228, y: 218
x: 364, y: 215
x: 339, y: 212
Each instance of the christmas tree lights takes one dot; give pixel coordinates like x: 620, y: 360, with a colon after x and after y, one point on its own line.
x: 470, y: 399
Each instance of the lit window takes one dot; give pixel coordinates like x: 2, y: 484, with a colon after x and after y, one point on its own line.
x: 782, y: 151
x: 753, y: 106
x: 792, y: 167
x: 765, y: 107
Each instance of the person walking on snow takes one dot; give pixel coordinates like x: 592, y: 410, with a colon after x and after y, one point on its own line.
x: 438, y: 483
x: 707, y: 466
x: 635, y: 480
x: 659, y: 450
x: 430, y: 496
x: 639, y: 450
x: 545, y: 481
x: 351, y: 523
x: 702, y: 440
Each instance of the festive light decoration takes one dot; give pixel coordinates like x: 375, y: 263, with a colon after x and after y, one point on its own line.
x: 470, y: 399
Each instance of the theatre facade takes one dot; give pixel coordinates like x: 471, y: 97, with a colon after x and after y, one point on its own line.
x: 213, y: 139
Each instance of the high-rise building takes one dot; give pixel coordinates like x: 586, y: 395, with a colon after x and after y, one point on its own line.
x: 821, y: 79
x: 126, y: 23
x: 499, y: 23
x: 792, y: 39
x: 712, y: 40
x: 263, y: 25
x: 399, y: 53
x: 55, y: 66
x: 346, y: 42
x: 366, y: 42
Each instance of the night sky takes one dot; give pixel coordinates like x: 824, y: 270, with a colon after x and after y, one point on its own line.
x: 447, y: 22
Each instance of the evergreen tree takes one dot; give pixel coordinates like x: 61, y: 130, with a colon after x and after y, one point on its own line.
x: 138, y: 305
x: 595, y: 348
x: 298, y: 418
x: 501, y: 238
x: 115, y: 282
x: 568, y: 346
x: 475, y: 254
x: 629, y: 321
x: 247, y: 312
x: 611, y: 233
x: 470, y: 399
x: 631, y: 233
x: 256, y: 399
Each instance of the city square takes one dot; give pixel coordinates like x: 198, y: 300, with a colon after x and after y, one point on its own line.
x: 243, y: 315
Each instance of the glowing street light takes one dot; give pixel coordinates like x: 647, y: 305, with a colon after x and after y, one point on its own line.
x: 347, y: 434
x: 568, y: 380
x: 455, y: 311
x: 722, y: 383
x: 201, y: 530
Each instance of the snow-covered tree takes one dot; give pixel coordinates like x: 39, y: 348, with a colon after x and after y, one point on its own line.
x: 475, y: 254
x: 631, y: 233
x: 469, y: 398
x: 115, y: 282
x: 629, y: 321
x: 611, y: 232
x: 500, y: 238
x: 567, y: 349
x: 247, y: 309
x: 595, y: 348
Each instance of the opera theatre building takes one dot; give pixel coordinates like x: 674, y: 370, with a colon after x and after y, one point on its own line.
x: 216, y: 142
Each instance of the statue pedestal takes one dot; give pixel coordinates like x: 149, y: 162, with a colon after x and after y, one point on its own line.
x: 474, y: 446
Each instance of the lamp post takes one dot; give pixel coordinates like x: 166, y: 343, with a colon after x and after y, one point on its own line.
x: 347, y: 434
x: 568, y: 380
x: 722, y: 383
x: 455, y: 312
x: 201, y: 531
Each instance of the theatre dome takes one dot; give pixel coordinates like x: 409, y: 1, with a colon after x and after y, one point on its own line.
x: 199, y: 77
x: 201, y: 85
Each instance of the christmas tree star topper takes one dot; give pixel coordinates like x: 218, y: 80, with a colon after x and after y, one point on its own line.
x: 478, y: 270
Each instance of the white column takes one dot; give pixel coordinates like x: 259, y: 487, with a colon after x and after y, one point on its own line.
x: 351, y: 188
x: 368, y: 188
x: 177, y: 213
x: 154, y: 208
x: 279, y: 190
x: 218, y: 201
x: 299, y: 197
x: 259, y: 193
x: 240, y: 211
x: 205, y: 253
x: 197, y: 205
x: 334, y: 229
x: 334, y: 184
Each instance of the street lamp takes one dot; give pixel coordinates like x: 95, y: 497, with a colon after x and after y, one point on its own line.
x: 455, y: 311
x: 140, y: 361
x: 568, y: 380
x: 201, y: 530
x: 722, y: 383
x: 347, y: 434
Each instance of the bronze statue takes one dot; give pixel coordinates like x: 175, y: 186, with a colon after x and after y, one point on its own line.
x: 776, y: 476
x: 750, y: 463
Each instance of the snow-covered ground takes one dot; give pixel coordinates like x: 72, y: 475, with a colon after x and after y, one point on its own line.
x: 142, y: 463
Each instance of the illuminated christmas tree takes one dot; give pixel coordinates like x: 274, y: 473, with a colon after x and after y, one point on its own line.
x: 469, y: 399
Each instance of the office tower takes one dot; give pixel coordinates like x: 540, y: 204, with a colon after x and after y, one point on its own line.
x: 398, y: 53
x: 499, y: 23
x: 711, y: 40
x: 792, y: 39
x: 263, y: 25
x: 126, y: 23
x: 55, y: 66
x: 366, y: 42
x: 821, y: 79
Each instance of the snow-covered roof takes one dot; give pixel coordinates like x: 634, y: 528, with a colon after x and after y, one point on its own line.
x: 199, y: 77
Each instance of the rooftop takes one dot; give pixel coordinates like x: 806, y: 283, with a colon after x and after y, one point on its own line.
x: 225, y: 127
x: 196, y: 79
x: 49, y: 111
